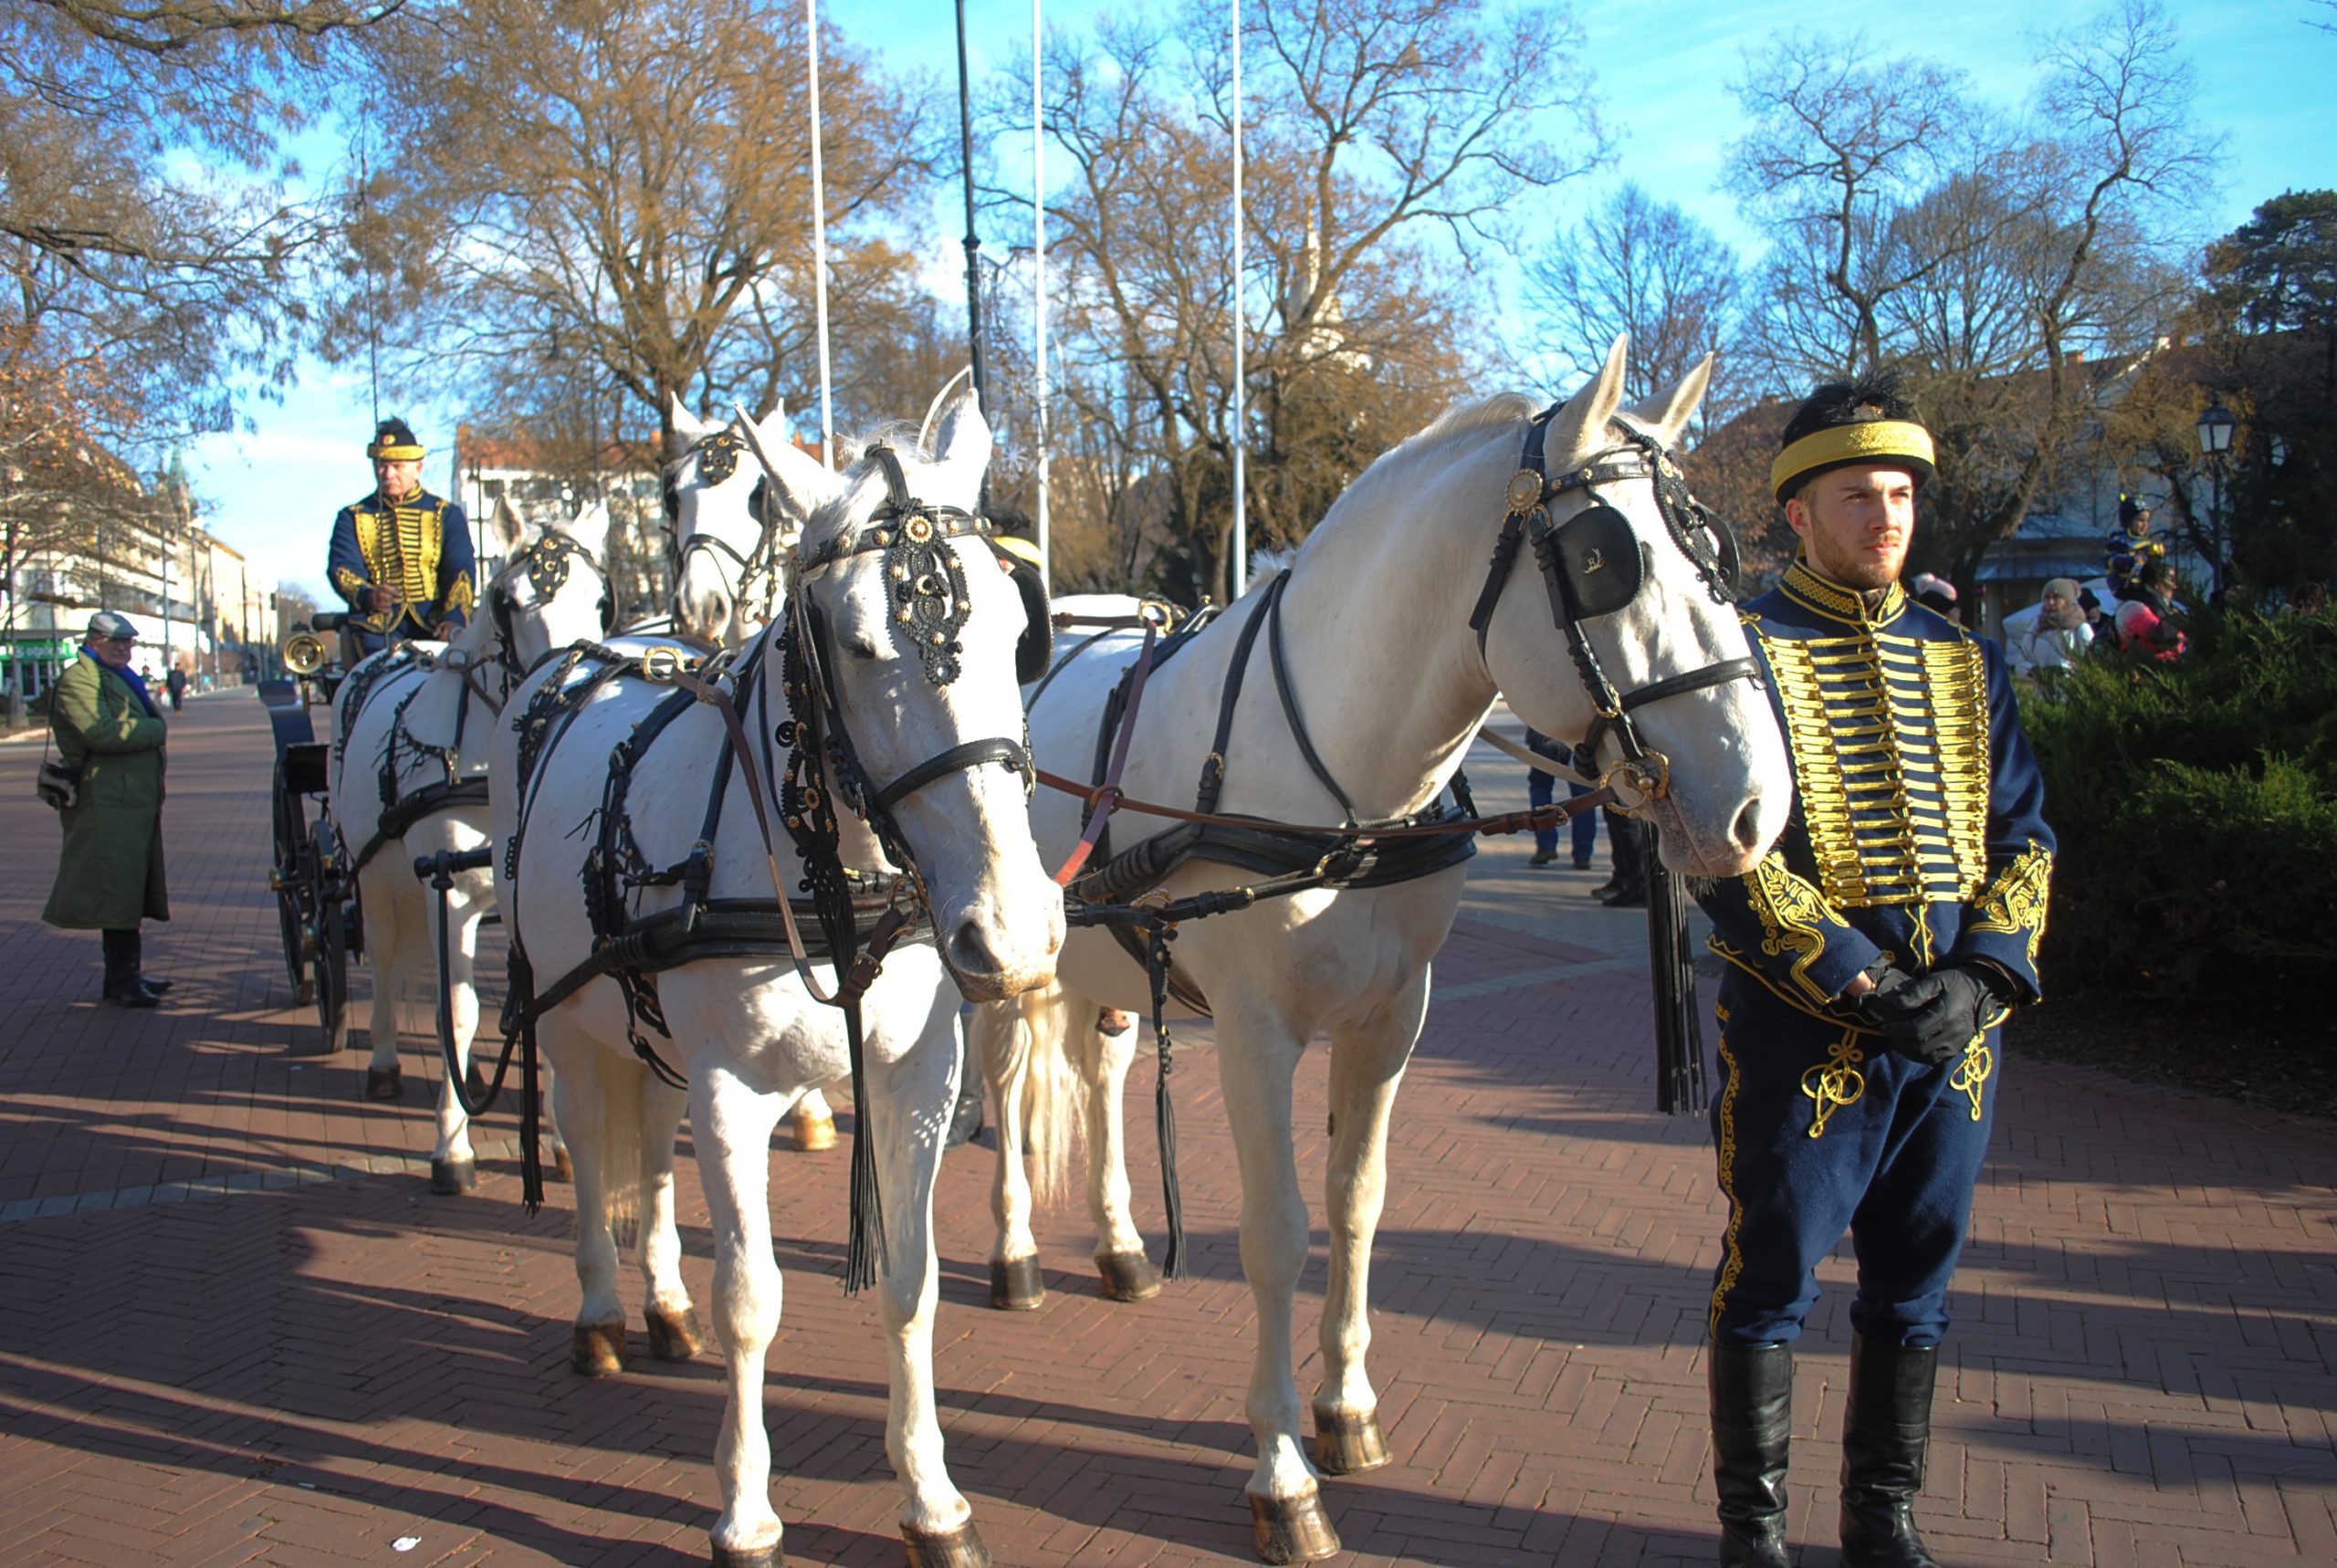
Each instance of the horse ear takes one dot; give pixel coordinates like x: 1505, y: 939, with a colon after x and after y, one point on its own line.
x: 772, y: 427
x: 1667, y: 413
x: 961, y: 435
x: 510, y: 528
x: 1580, y: 427
x: 687, y: 425
x: 803, y: 483
x: 590, y: 528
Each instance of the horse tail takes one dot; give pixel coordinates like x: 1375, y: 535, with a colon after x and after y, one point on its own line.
x: 1055, y: 1119
x: 601, y: 1094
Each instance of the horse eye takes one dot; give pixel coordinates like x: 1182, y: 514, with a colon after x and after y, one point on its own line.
x: 860, y: 646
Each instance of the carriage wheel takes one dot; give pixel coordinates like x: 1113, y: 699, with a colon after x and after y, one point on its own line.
x: 331, y: 968
x: 290, y: 879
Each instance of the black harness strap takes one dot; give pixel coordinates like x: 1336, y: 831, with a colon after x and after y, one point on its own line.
x: 1290, y: 702
x: 1212, y: 783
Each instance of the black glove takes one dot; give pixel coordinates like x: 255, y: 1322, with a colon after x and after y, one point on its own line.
x: 1933, y: 1017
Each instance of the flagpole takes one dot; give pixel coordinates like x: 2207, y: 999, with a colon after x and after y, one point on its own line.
x: 1039, y: 281
x: 1240, y: 509
x: 820, y: 241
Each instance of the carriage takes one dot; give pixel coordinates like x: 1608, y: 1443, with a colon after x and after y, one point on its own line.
x: 317, y: 917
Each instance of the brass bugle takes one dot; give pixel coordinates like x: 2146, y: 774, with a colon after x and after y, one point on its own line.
x: 304, y: 652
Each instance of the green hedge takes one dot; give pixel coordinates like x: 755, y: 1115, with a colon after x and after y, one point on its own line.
x: 2196, y: 809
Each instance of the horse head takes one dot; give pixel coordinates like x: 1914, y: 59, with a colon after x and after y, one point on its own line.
x: 730, y: 522
x: 552, y: 588
x: 902, y: 631
x: 1655, y: 683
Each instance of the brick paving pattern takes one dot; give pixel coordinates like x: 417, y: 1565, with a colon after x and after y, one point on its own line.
x: 236, y: 1328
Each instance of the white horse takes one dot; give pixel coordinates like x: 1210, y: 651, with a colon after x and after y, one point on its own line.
x: 745, y: 1033
x: 1391, y: 682
x: 732, y: 531
x: 413, y: 723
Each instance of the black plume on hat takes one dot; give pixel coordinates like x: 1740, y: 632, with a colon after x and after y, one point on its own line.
x: 395, y: 439
x: 1858, y: 402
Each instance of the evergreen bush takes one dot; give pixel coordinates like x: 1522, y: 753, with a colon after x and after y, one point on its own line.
x: 2196, y: 803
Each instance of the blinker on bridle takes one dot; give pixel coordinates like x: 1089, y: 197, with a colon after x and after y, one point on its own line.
x: 1592, y: 563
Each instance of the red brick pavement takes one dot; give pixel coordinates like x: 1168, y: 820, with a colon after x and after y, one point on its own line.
x: 236, y: 1328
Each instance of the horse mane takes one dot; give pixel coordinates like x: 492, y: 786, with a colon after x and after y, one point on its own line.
x: 1503, y: 409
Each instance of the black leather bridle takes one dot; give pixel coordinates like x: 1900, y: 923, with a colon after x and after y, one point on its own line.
x: 717, y: 458
x: 1592, y: 564
x: 547, y: 563
x: 926, y: 605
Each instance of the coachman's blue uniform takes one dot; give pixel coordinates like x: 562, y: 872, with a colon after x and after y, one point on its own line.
x: 1916, y: 837
x: 420, y: 549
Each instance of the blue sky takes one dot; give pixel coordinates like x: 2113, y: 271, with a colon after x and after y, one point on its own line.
x: 2265, y: 84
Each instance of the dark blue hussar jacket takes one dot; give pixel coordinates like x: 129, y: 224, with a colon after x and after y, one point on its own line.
x: 1917, y: 832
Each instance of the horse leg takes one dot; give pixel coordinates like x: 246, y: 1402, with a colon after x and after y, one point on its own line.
x: 814, y: 1124
x: 1366, y: 1065
x: 908, y: 1112
x: 733, y: 1126
x: 591, y: 1080
x: 385, y: 947
x: 453, y: 1168
x: 997, y: 1040
x: 557, y: 1165
x: 1256, y: 1058
x: 673, y: 1330
x: 1128, y: 1274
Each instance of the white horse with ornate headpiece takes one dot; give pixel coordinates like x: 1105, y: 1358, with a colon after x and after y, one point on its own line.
x: 412, y: 725
x: 1384, y: 646
x: 894, y: 660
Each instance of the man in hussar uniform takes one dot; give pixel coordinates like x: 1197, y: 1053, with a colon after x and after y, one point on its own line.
x: 1872, y: 956
x: 401, y: 557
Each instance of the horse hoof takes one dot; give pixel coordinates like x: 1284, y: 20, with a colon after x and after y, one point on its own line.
x: 771, y: 1556
x: 451, y: 1179
x: 673, y: 1338
x: 958, y: 1548
x: 1016, y: 1285
x: 384, y: 1082
x: 1128, y: 1276
x: 561, y: 1168
x: 1346, y: 1444
x: 1292, y: 1529
x: 597, y: 1350
x: 814, y: 1135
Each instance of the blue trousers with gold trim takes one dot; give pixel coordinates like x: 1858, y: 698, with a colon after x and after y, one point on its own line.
x: 1820, y: 1130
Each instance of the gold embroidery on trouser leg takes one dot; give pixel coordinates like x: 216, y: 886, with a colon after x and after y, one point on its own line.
x: 1732, y: 1261
x: 1834, y: 1083
x: 1973, y: 1070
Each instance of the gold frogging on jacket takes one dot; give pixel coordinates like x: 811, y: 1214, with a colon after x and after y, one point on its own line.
x: 2014, y: 905
x: 1890, y: 741
x: 400, y: 545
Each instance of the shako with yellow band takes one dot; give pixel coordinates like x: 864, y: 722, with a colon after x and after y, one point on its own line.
x: 417, y: 547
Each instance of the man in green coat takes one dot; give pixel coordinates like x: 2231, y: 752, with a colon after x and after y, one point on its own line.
x: 110, y: 875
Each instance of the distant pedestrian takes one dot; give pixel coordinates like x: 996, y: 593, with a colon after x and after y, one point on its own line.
x: 2149, y: 626
x: 175, y: 684
x: 109, y: 872
x: 2104, y: 630
x: 2125, y: 553
x: 1541, y: 788
x: 2060, y: 636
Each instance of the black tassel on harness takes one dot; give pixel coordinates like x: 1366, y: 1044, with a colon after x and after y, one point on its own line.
x: 1678, y: 1037
x: 1164, y: 1109
x: 867, y: 1254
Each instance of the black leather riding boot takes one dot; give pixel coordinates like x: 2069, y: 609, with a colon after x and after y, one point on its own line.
x: 1751, y: 1403
x: 1885, y: 1429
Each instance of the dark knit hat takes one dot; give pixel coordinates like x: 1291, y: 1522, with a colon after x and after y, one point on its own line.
x: 2129, y: 509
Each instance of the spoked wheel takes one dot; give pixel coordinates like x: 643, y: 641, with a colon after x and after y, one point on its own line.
x: 289, y: 878
x: 331, y: 968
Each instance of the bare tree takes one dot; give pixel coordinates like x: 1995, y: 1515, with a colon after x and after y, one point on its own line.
x: 619, y: 189
x: 1644, y: 268
x: 1385, y: 140
x: 2007, y: 268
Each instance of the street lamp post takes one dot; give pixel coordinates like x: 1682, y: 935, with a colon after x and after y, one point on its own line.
x: 2215, y: 427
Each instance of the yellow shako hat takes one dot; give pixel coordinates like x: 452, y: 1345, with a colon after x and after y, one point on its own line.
x: 393, y: 440
x: 1841, y: 424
